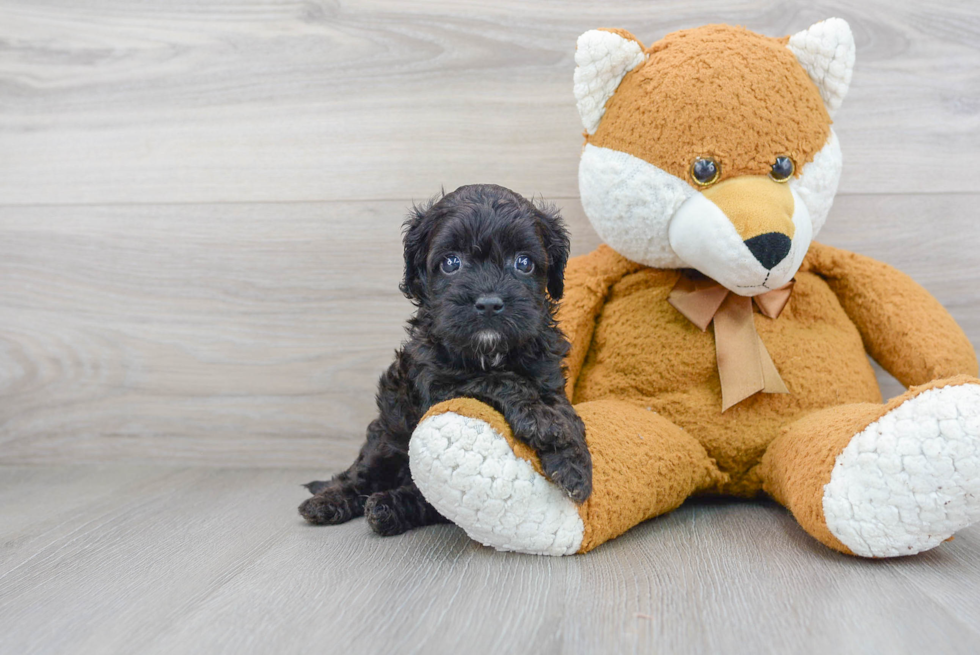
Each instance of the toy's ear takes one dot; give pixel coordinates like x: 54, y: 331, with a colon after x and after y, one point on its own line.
x: 826, y: 52
x: 418, y: 231
x: 554, y: 236
x: 602, y: 59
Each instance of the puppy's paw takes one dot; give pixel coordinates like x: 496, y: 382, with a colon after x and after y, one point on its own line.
x: 542, y: 427
x: 571, y: 469
x: 330, y: 507
x: 381, y: 512
x: 558, y: 436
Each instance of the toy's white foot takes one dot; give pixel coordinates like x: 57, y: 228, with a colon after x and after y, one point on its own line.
x: 469, y: 472
x: 911, y: 479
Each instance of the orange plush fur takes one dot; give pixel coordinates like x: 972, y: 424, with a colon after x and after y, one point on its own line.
x: 701, y: 97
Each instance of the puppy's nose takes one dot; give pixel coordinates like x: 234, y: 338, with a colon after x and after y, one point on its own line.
x: 489, y: 305
x: 769, y: 249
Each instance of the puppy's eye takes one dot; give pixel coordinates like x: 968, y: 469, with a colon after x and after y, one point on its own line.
x: 523, y: 264
x: 782, y: 170
x: 450, y: 264
x: 705, y: 171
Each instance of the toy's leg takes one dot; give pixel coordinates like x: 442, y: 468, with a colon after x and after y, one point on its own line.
x: 883, y: 480
x: 466, y: 462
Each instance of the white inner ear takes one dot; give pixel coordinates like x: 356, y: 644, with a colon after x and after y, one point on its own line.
x: 826, y: 51
x: 601, y: 60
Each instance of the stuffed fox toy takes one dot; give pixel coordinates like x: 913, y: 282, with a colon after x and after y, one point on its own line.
x: 716, y: 348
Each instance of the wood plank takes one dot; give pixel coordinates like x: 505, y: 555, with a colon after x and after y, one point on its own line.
x: 743, y: 577
x: 207, y: 560
x: 37, y: 502
x: 239, y: 321
x: 254, y: 334
x: 117, y: 102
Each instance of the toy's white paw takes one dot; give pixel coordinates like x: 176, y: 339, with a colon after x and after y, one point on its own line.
x: 911, y: 479
x: 467, y: 470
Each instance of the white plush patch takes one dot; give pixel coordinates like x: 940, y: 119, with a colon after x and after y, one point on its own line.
x: 911, y: 479
x: 704, y: 238
x: 826, y: 51
x: 602, y: 59
x: 802, y: 238
x: 817, y: 184
x: 470, y: 474
x: 630, y: 203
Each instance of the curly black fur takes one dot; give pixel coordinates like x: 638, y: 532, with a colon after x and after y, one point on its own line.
x: 486, y: 330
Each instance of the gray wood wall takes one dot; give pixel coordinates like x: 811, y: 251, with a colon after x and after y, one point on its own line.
x: 200, y: 202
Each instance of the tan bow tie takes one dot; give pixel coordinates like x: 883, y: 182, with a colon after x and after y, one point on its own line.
x: 744, y: 364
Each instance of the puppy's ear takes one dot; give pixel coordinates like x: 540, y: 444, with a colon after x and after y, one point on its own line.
x: 418, y: 228
x: 554, y: 236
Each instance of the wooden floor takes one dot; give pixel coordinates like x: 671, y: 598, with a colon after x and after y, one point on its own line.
x: 149, y: 559
x: 200, y: 208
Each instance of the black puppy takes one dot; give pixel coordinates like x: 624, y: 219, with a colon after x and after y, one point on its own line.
x: 477, y: 264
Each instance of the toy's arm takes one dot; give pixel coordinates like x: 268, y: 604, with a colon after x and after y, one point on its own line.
x: 587, y: 282
x: 903, y: 326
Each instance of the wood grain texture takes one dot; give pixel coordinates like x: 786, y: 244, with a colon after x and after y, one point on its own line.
x: 178, y: 560
x: 254, y: 334
x: 224, y: 101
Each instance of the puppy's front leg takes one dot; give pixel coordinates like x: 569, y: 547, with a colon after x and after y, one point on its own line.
x: 557, y: 434
x: 564, y: 453
x: 547, y: 422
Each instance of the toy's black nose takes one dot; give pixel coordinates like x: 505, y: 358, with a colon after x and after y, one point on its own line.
x: 769, y: 249
x: 489, y: 305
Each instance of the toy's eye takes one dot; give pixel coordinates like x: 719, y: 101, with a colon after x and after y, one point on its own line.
x: 782, y: 170
x: 524, y: 264
x: 450, y: 264
x: 705, y: 171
